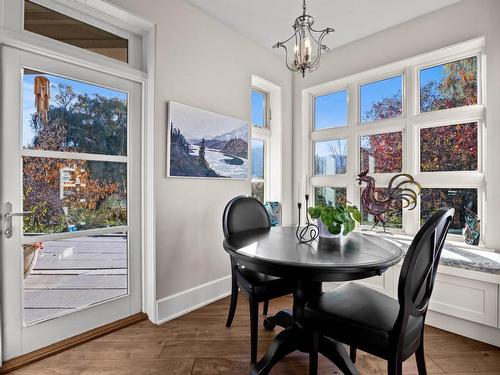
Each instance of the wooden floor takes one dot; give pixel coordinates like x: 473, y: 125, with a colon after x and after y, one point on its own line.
x: 200, y: 344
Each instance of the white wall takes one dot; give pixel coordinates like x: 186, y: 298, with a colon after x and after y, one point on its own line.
x: 456, y: 23
x: 202, y: 63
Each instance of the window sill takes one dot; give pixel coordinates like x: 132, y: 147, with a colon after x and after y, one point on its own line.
x: 456, y: 254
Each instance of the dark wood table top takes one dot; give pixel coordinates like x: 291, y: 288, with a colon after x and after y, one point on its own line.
x: 278, y: 252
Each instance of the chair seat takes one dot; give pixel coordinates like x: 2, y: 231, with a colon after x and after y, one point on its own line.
x: 257, y: 282
x: 359, y: 316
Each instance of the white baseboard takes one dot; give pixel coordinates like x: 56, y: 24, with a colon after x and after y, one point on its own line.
x: 476, y: 331
x: 173, y: 306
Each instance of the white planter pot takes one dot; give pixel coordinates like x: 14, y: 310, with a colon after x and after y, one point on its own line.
x: 324, y: 233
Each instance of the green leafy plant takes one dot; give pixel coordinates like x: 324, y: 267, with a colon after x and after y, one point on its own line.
x: 336, y: 217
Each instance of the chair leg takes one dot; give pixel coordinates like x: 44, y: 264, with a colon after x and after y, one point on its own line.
x: 395, y: 367
x: 420, y: 356
x: 266, y: 306
x: 234, y: 300
x: 352, y: 353
x: 254, y: 323
x: 313, y: 355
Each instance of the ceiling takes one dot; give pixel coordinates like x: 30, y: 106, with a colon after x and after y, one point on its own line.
x: 269, y: 21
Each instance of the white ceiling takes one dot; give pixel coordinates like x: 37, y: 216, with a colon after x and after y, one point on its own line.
x: 269, y: 21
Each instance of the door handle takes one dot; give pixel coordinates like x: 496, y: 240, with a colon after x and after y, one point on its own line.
x: 12, y: 214
x: 7, y: 216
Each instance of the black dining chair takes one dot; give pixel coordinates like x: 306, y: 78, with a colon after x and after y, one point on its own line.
x: 375, y: 323
x: 241, y: 214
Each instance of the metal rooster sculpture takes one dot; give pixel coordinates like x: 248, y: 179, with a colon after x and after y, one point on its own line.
x: 378, y: 207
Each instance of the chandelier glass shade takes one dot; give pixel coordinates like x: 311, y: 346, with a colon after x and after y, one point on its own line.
x: 304, y: 48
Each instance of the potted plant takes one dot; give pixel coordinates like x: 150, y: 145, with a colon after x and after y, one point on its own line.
x: 335, y: 222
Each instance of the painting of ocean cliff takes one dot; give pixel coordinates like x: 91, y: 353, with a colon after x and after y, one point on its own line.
x: 206, y: 144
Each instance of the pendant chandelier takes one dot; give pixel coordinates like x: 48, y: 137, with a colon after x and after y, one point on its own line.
x: 307, y: 44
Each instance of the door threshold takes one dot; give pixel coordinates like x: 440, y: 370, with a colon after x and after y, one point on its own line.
x: 26, y: 359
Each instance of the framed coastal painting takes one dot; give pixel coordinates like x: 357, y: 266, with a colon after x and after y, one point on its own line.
x: 204, y: 144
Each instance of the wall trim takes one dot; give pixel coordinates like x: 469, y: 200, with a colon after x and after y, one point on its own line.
x: 476, y: 331
x: 181, y: 303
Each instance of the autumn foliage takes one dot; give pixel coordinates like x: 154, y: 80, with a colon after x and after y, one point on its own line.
x: 382, y: 153
x: 95, y: 192
x: 449, y: 148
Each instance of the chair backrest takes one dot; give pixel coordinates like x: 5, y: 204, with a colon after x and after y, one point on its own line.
x: 418, y: 274
x: 244, y: 213
x: 419, y: 269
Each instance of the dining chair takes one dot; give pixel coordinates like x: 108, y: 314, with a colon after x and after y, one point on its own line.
x: 378, y: 324
x: 241, y: 214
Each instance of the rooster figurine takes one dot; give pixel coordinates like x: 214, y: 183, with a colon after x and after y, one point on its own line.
x: 378, y: 207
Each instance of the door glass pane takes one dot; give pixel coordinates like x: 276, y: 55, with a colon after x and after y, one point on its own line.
x: 464, y: 201
x: 449, y: 85
x: 259, y: 109
x: 330, y: 157
x: 330, y: 111
x: 381, y: 153
x: 330, y: 196
x: 72, y: 195
x: 61, y: 114
x: 382, y: 99
x: 449, y: 148
x: 393, y: 217
x: 58, y: 26
x: 66, y: 275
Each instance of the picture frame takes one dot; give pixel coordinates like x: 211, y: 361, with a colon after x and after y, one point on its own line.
x: 205, y: 144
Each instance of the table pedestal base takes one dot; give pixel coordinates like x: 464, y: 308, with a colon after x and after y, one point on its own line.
x: 296, y: 336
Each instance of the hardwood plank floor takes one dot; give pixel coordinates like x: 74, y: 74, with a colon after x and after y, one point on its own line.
x: 199, y: 344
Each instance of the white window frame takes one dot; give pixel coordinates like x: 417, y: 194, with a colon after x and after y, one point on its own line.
x: 264, y: 134
x: 267, y: 108
x: 410, y: 123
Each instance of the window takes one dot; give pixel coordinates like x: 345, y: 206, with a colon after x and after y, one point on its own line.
x: 381, y: 100
x: 330, y: 111
x: 261, y: 136
x: 381, y: 153
x: 449, y: 148
x: 75, y: 165
x: 258, y: 153
x: 442, y: 150
x: 464, y: 201
x: 58, y: 26
x: 449, y: 85
x: 330, y: 196
x: 330, y: 157
x: 260, y: 104
x: 62, y: 115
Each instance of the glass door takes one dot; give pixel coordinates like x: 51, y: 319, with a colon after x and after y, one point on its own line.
x: 71, y: 199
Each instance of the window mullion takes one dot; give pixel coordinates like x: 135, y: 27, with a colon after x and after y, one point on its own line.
x: 352, y: 140
x: 410, y: 217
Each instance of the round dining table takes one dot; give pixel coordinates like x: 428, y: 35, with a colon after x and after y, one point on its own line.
x: 277, y: 252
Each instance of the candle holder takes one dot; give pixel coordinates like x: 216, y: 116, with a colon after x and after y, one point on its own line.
x: 309, y: 232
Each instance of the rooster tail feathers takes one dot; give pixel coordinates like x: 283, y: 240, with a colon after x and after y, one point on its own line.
x: 407, y: 179
x: 409, y: 198
x: 399, y: 191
